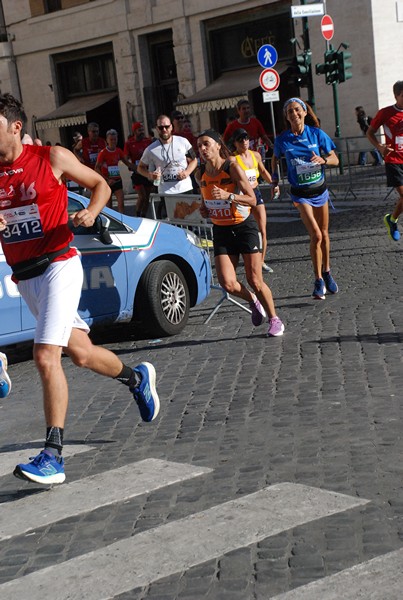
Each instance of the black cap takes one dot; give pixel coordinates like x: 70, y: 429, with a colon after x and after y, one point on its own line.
x: 214, y: 135
x: 239, y: 134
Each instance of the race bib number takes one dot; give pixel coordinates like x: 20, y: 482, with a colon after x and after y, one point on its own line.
x: 308, y: 173
x: 114, y: 172
x: 171, y: 173
x: 218, y: 209
x: 23, y: 224
x: 93, y: 157
x: 251, y: 176
x: 399, y: 142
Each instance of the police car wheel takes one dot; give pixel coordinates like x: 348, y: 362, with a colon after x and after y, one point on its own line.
x: 163, y: 299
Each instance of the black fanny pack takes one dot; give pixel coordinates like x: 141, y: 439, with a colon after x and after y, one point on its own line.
x: 308, y: 192
x: 27, y: 269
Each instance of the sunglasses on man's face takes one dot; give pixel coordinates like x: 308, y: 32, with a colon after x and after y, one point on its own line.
x: 162, y: 127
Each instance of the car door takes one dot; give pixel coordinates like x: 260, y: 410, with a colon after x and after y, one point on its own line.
x: 104, y: 295
x: 10, y: 301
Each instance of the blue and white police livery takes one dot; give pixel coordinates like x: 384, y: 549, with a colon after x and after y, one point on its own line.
x: 135, y: 269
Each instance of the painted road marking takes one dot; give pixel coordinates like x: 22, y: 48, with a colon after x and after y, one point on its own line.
x: 8, y: 460
x: 378, y: 579
x: 174, y: 547
x: 91, y: 493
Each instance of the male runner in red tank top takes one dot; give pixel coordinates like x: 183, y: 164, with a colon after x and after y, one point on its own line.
x: 36, y: 244
x: 88, y: 148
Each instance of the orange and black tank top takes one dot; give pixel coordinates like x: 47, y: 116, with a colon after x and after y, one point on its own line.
x: 221, y: 212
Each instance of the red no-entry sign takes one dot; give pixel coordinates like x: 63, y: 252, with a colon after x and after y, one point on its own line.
x: 327, y: 27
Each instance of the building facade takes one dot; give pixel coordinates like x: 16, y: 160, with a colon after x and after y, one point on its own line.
x: 115, y: 61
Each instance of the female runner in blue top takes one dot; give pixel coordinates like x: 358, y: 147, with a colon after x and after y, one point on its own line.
x: 307, y: 150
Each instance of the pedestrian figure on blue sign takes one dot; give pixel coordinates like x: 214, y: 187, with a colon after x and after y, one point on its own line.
x: 267, y: 56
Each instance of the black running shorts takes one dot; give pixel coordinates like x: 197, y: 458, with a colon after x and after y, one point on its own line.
x: 394, y: 174
x: 138, y: 180
x: 116, y: 185
x: 236, y: 239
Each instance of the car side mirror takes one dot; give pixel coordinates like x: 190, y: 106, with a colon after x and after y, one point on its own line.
x: 102, y: 229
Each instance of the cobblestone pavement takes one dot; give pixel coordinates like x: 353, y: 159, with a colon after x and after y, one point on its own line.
x: 320, y: 406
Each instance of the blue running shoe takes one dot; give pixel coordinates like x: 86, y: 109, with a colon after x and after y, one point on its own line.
x: 5, y: 381
x: 393, y: 231
x: 319, y: 290
x: 44, y: 468
x: 331, y: 285
x: 146, y: 394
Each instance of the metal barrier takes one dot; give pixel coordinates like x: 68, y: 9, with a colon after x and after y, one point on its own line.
x: 182, y: 210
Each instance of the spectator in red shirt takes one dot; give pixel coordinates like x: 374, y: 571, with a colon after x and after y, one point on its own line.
x: 188, y: 133
x: 108, y: 166
x: 88, y: 148
x: 252, y: 125
x: 183, y: 127
x: 133, y: 151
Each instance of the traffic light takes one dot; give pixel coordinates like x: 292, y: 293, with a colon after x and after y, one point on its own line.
x: 329, y: 68
x: 320, y: 69
x: 343, y: 66
x: 336, y: 66
x: 332, y: 72
x: 300, y: 69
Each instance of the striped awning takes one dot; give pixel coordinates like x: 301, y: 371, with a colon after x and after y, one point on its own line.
x: 73, y: 112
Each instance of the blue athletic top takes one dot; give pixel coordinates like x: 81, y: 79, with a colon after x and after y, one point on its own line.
x: 298, y: 149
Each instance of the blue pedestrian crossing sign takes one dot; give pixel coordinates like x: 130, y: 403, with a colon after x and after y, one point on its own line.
x: 267, y: 56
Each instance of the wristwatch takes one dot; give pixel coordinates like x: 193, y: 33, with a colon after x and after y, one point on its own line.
x: 231, y: 198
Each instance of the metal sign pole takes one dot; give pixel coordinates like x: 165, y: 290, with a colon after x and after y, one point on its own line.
x: 272, y: 120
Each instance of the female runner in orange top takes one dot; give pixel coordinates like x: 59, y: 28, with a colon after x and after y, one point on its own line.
x: 227, y: 198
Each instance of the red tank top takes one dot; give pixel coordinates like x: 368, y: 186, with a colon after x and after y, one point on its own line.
x: 91, y: 151
x: 109, y: 162
x: 34, y: 204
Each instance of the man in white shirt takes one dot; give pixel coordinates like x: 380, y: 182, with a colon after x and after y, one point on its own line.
x: 170, y: 158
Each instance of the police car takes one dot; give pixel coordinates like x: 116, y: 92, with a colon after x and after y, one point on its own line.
x: 135, y: 270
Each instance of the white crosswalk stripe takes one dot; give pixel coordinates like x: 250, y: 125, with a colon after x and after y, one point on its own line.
x: 179, y: 545
x: 93, y: 492
x: 378, y: 579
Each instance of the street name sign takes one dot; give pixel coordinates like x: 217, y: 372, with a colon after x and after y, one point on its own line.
x: 309, y: 10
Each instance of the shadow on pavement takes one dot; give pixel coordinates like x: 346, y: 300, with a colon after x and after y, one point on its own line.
x: 376, y: 338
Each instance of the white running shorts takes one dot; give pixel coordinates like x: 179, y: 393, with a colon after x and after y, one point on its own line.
x: 53, y: 299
